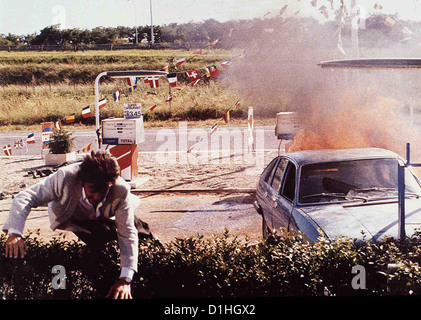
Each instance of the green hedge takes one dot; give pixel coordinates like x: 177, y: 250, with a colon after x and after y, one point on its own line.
x: 219, y: 267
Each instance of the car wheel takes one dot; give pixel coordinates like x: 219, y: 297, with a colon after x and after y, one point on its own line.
x: 265, y: 229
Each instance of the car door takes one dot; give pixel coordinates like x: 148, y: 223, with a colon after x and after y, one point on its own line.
x: 272, y: 195
x: 284, y: 199
x: 263, y: 187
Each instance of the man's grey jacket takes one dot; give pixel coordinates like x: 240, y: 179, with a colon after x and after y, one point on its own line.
x: 62, y: 191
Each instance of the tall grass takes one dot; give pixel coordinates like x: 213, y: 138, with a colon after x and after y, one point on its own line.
x: 28, y: 105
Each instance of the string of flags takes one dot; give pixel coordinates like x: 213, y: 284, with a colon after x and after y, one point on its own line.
x: 21, y: 143
x: 194, y: 77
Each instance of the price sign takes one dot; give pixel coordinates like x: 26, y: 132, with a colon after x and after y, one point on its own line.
x: 132, y: 110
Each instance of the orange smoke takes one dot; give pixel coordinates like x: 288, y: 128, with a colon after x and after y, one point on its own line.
x: 360, y: 121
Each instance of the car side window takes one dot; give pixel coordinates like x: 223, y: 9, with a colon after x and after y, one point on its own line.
x: 279, y: 173
x: 288, y: 187
x: 268, y: 174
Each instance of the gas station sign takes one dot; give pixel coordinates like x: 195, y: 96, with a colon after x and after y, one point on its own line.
x: 122, y: 131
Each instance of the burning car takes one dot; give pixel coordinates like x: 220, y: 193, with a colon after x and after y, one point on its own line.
x: 343, y: 192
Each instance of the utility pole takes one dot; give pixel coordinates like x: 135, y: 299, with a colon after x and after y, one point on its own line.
x: 152, y: 35
x: 355, y: 25
x: 135, y: 22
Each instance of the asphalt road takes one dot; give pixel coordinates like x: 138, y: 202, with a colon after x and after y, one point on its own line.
x: 165, y: 140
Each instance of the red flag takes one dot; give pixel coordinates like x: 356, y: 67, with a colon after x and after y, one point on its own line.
x: 8, y: 150
x: 193, y: 75
x: 198, y: 51
x: 214, y: 71
x: 180, y: 61
x: 153, y: 107
x: 154, y: 82
x: 169, y: 98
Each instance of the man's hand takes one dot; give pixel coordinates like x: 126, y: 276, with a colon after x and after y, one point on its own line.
x: 121, y: 290
x: 15, y: 246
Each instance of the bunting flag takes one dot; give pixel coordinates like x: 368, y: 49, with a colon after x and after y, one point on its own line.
x: 30, y: 139
x: 102, y: 103
x: 283, y: 10
x: 132, y: 88
x: 212, y: 72
x: 237, y: 104
x: 227, y: 116
x: 154, y: 82
x: 213, y: 44
x: 323, y: 11
x: 191, y: 148
x: 180, y: 61
x: 132, y: 81
x: 197, y: 142
x: 117, y: 96
x: 226, y: 64
x: 18, y: 144
x: 193, y: 75
x: 7, y: 150
x: 165, y: 68
x: 87, y: 148
x: 70, y: 119
x: 57, y: 125
x: 172, y: 79
x: 86, y: 112
x: 214, y: 128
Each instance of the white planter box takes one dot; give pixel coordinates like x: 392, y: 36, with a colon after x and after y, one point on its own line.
x: 56, y: 159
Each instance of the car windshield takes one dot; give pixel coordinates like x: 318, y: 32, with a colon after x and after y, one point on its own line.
x: 353, y: 180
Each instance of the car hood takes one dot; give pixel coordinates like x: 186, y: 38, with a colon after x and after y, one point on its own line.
x: 369, y: 221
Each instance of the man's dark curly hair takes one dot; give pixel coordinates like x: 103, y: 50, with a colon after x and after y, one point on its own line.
x: 99, y: 168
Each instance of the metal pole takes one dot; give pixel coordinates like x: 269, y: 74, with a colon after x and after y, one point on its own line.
x: 97, y: 120
x: 401, y: 201
x: 408, y: 154
x: 152, y: 35
x: 135, y: 22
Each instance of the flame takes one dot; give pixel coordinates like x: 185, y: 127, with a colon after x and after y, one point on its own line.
x: 353, y: 124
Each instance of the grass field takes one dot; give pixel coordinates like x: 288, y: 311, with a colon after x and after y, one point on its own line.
x: 47, y: 86
x: 37, y: 68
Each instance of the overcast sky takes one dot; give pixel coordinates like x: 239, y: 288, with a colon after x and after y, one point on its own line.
x: 29, y: 16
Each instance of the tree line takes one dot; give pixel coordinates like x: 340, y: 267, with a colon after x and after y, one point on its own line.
x: 210, y: 30
x: 188, y: 32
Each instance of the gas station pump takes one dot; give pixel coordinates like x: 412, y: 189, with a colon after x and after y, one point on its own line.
x: 123, y: 134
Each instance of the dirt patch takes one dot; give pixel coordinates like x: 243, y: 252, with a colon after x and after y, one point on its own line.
x: 169, y: 215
